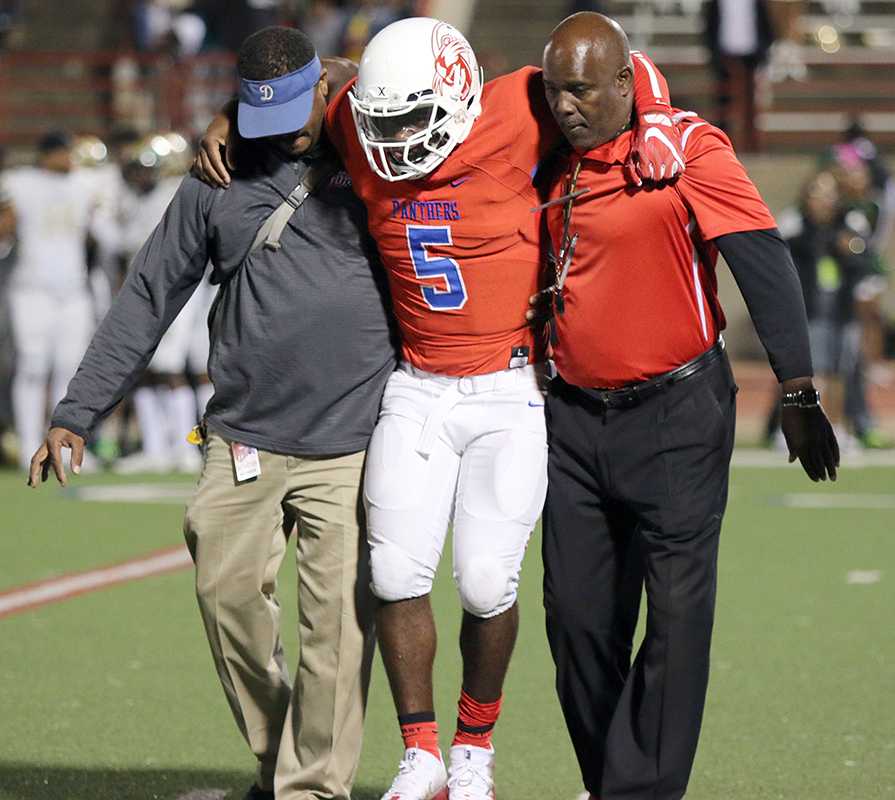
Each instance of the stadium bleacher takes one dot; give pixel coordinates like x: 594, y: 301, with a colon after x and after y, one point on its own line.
x: 849, y: 60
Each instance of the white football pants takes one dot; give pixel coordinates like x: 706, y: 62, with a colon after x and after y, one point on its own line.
x: 186, y: 340
x: 469, y: 449
x: 51, y: 334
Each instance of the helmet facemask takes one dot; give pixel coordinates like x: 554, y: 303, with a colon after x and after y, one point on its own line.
x: 409, y: 139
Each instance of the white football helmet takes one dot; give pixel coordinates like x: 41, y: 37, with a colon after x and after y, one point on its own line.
x: 418, y: 93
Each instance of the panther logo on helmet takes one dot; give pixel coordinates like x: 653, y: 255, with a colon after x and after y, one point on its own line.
x: 453, y: 62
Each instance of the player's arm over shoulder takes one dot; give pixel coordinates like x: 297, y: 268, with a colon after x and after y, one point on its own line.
x: 338, y: 119
x: 518, y: 103
x: 339, y: 72
x: 518, y: 94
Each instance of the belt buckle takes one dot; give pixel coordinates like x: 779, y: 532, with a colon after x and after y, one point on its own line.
x: 622, y: 398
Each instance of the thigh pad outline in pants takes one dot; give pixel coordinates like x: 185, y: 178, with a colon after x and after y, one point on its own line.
x: 501, y: 491
x: 408, y: 498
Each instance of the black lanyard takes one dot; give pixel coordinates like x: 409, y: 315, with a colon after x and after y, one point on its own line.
x: 562, y: 261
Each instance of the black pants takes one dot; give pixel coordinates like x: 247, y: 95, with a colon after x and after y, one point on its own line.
x: 635, y: 499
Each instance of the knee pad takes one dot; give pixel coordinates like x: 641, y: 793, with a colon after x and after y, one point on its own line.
x: 486, y: 587
x: 396, y: 576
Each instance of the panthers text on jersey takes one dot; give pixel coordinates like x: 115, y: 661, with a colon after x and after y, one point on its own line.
x: 461, y: 246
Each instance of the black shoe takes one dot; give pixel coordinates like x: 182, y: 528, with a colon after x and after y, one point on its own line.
x: 258, y: 794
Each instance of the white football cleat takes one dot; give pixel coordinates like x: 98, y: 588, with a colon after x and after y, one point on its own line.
x: 471, y: 775
x: 421, y: 776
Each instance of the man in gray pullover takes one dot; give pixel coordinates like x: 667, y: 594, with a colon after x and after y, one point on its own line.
x: 301, y: 348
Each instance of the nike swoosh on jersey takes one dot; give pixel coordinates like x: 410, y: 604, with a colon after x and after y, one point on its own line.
x: 535, y: 405
x: 458, y: 181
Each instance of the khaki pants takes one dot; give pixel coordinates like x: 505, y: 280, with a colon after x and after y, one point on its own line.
x: 306, y: 737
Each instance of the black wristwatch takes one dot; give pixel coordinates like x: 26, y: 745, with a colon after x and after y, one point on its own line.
x: 803, y: 398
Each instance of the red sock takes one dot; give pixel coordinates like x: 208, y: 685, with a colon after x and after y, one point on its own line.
x: 420, y: 730
x: 475, y: 721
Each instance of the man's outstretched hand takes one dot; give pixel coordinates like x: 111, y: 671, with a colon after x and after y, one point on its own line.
x: 49, y: 456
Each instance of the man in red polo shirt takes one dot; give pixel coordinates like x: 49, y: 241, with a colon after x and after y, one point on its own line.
x: 641, y: 416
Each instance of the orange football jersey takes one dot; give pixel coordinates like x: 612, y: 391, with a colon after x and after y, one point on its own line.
x: 462, y: 245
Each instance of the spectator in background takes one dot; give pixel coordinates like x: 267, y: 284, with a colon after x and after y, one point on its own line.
x: 230, y: 21
x: 576, y: 6
x: 739, y: 36
x: 881, y: 180
x: 171, y: 26
x: 832, y: 259
x: 367, y: 18
x: 52, y: 315
x: 10, y: 13
x: 863, y: 213
x: 786, y: 52
x: 324, y: 22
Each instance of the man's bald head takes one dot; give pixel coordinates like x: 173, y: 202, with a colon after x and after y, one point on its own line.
x: 589, y: 79
x: 591, y: 36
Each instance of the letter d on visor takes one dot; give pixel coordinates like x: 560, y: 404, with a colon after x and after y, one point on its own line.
x: 279, y: 105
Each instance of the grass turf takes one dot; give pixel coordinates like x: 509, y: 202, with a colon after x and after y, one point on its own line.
x: 112, y: 694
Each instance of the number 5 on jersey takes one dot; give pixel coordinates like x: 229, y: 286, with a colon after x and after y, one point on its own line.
x: 438, y: 299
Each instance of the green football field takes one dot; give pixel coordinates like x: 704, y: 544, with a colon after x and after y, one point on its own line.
x: 112, y: 695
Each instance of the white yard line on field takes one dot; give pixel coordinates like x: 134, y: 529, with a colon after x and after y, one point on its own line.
x: 54, y: 590
x: 758, y: 458
x: 870, y: 502
x: 173, y: 493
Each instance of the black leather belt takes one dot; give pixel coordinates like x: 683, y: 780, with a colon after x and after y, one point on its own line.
x: 636, y: 393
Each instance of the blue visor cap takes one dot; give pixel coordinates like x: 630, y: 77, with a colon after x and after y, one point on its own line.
x: 280, y: 105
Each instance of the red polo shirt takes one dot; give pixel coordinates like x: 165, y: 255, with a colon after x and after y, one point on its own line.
x: 641, y: 294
